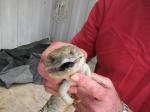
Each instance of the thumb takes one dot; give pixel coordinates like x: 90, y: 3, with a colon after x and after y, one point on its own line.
x: 90, y: 86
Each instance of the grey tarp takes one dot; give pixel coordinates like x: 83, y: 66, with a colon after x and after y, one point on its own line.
x: 19, y: 65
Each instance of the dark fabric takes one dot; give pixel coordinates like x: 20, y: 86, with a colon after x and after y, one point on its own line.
x: 33, y: 64
x: 20, y: 74
x: 19, y: 65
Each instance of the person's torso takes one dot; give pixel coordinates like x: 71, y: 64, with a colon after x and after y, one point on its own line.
x: 123, y: 49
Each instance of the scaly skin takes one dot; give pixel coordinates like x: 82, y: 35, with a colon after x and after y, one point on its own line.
x: 61, y: 64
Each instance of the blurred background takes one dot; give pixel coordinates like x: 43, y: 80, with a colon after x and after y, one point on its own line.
x: 26, y: 21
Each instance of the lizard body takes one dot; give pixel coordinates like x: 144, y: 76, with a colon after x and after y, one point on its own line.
x: 62, y: 63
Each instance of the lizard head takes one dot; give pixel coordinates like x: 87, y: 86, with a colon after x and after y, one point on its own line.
x: 64, y: 61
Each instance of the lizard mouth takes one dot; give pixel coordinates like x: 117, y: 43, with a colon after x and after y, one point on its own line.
x: 64, y: 66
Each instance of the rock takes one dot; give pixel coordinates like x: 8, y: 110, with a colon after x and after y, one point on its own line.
x: 23, y: 98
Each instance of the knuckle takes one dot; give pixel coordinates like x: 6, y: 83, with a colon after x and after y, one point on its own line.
x: 109, y: 82
x: 86, y: 83
x: 101, y: 94
x: 83, y: 80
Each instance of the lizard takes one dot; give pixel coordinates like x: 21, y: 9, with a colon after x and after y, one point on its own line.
x: 61, y: 64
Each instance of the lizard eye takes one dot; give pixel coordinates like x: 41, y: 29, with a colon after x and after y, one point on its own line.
x: 52, y: 60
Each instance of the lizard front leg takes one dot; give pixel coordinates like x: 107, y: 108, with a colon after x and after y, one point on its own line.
x: 63, y: 90
x: 86, y: 70
x: 64, y: 87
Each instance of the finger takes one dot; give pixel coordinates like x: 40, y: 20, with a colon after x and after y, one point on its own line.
x: 104, y: 81
x: 42, y: 71
x: 84, y: 96
x: 51, y: 85
x: 53, y: 92
x: 73, y: 90
x: 92, y: 87
x: 81, y: 108
x: 89, y: 102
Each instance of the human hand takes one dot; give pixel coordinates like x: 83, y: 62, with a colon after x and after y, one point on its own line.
x: 51, y: 84
x: 97, y: 94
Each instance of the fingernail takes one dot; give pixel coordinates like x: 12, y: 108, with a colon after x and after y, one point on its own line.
x: 75, y: 78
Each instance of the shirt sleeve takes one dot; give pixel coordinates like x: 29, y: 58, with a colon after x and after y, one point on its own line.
x: 86, y: 38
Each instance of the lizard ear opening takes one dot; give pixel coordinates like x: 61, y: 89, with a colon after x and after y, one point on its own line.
x: 66, y: 65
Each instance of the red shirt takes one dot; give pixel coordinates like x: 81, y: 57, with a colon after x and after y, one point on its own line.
x: 118, y: 33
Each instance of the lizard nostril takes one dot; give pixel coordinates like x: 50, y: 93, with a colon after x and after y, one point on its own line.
x: 66, y: 65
